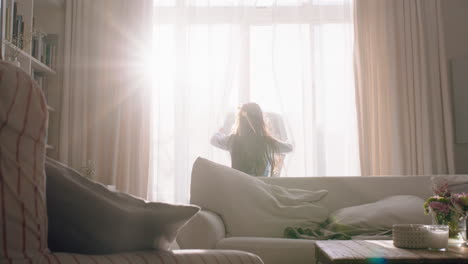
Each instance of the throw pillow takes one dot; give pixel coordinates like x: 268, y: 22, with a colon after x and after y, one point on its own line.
x: 251, y: 207
x: 383, y: 214
x: 85, y: 217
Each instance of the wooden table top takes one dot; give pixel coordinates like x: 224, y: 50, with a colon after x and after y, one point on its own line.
x: 382, y: 251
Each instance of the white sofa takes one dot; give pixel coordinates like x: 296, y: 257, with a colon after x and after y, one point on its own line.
x: 207, y: 230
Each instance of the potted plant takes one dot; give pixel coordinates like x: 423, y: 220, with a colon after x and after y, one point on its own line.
x: 449, y: 209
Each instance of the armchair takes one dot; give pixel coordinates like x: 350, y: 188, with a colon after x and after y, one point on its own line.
x: 23, y: 209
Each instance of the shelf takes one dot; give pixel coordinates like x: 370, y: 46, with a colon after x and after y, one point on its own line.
x: 13, y: 47
x: 35, y: 63
x: 39, y: 66
x: 39, y: 23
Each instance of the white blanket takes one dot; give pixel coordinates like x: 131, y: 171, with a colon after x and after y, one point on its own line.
x: 250, y: 207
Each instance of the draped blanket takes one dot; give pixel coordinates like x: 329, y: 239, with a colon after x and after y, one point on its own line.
x: 251, y: 207
x: 332, y: 231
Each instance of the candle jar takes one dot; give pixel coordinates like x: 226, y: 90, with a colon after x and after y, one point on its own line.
x: 437, y: 237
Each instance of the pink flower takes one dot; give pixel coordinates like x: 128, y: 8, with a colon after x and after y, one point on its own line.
x: 460, y: 201
x: 440, y: 207
x: 441, y: 188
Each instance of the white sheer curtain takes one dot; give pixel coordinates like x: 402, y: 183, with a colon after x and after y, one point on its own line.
x: 293, y: 57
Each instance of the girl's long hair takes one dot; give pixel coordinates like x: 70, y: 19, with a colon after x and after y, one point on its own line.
x: 252, y: 147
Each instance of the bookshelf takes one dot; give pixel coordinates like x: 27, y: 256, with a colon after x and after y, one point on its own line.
x: 32, y: 37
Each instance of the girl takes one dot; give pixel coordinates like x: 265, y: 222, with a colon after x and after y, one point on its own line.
x: 251, y: 147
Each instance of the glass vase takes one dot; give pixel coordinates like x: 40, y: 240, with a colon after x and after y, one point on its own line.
x: 457, y: 228
x: 462, y: 230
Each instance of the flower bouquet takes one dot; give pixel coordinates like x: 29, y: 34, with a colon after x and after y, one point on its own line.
x: 448, y: 208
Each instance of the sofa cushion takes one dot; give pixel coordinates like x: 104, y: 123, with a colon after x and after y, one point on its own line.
x: 250, y: 207
x: 86, y: 217
x: 273, y: 250
x: 23, y: 130
x: 383, y: 214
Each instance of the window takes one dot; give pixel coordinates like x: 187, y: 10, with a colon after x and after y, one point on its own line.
x: 293, y: 57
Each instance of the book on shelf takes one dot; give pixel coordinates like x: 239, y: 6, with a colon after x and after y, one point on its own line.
x: 37, y: 47
x: 13, y: 19
x: 14, y: 26
x: 51, y: 41
x: 20, y: 24
x: 41, y: 81
x: 44, y: 48
x: 8, y: 23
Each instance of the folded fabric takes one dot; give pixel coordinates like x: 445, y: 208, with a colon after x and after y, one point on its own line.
x: 245, y: 202
x: 327, y: 232
x: 85, y: 217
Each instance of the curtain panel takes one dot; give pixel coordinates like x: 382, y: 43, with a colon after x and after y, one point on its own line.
x: 105, y: 118
x: 402, y: 91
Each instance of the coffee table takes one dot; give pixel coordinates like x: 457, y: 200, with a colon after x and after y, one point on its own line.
x: 382, y: 251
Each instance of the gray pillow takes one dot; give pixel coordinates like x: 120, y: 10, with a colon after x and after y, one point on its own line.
x: 85, y: 217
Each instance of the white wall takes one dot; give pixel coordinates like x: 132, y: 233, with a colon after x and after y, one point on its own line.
x: 455, y: 16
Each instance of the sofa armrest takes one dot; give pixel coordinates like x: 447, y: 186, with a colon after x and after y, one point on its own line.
x: 202, y: 232
x: 189, y: 256
x: 218, y: 256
